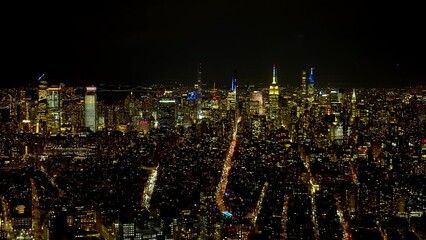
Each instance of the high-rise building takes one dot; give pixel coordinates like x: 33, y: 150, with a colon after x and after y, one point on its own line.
x: 274, y: 93
x: 335, y: 95
x: 354, y: 110
x: 90, y: 116
x: 23, y: 111
x: 42, y: 104
x: 303, y: 86
x: 54, y: 109
x: 24, y: 118
x: 311, y: 86
x: 198, y: 89
x: 138, y: 226
x: 353, y: 98
x: 232, y: 94
x: 256, y: 103
x: 167, y: 113
x: 335, y: 101
x: 215, y: 98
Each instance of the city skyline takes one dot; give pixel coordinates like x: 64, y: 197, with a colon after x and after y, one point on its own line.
x: 349, y: 44
x: 178, y: 161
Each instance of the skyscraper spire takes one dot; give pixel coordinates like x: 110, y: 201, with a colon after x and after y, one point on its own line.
x: 199, y: 94
x: 234, y: 81
x: 199, y: 74
x: 232, y: 95
x: 274, y: 75
x: 311, y: 76
x: 354, y: 111
x: 214, y: 101
x: 353, y: 100
x: 274, y: 93
x: 311, y: 86
x: 198, y: 85
x: 214, y: 97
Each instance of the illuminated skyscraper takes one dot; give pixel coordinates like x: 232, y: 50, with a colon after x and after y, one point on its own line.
x: 42, y: 104
x: 274, y: 93
x: 232, y: 94
x: 54, y: 109
x: 353, y: 98
x: 303, y: 86
x: 167, y: 113
x: 215, y: 100
x: 311, y: 86
x: 354, y: 111
x: 90, y: 120
x: 24, y: 111
x: 335, y: 95
x: 335, y: 102
x: 198, y: 90
x: 256, y: 103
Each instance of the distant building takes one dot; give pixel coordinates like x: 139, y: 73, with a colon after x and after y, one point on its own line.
x: 167, y: 113
x: 354, y: 110
x: 21, y: 217
x: 232, y: 94
x: 256, y: 103
x: 303, y: 85
x: 274, y: 94
x: 186, y: 226
x: 54, y: 109
x: 90, y: 116
x: 199, y: 93
x: 215, y: 98
x: 311, y: 86
x: 42, y: 105
x: 138, y: 226
x: 335, y: 101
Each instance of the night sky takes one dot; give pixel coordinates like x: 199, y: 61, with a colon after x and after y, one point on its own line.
x: 350, y: 43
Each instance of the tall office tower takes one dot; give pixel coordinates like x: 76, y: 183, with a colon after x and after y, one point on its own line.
x: 311, y: 86
x: 215, y: 100
x: 274, y: 93
x: 54, y: 109
x: 354, y: 111
x: 335, y: 95
x: 232, y: 94
x: 256, y: 103
x: 190, y: 106
x: 303, y: 86
x: 167, y: 113
x: 335, y: 101
x: 42, y: 104
x: 198, y: 90
x: 21, y: 106
x: 23, y: 113
x: 90, y: 116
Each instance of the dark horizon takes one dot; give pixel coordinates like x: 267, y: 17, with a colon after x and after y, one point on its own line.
x: 350, y: 44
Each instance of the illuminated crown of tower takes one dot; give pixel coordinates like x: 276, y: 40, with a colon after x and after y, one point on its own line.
x: 311, y: 76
